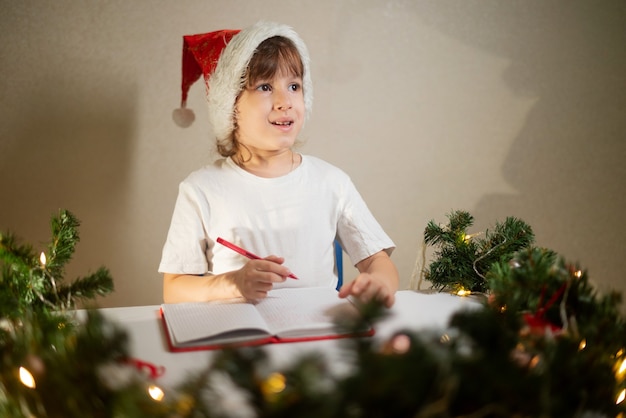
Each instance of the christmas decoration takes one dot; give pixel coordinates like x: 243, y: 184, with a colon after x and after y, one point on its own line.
x: 32, y: 282
x: 463, y: 260
x: 36, y: 338
x: 200, y: 55
x: 545, y: 343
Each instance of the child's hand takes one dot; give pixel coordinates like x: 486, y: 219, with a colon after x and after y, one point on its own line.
x: 367, y: 287
x: 257, y: 277
x: 378, y: 279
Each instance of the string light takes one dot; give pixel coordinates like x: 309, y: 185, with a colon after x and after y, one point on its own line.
x: 578, y: 274
x: 620, y: 397
x: 533, y: 362
x: 42, y: 259
x: 27, y: 378
x: 156, y: 393
x: 467, y: 237
x: 464, y: 292
x: 622, y: 368
x: 582, y: 345
x: 274, y: 384
x: 401, y: 343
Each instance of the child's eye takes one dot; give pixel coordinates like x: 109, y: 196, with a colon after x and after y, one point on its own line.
x: 264, y: 87
x: 294, y: 86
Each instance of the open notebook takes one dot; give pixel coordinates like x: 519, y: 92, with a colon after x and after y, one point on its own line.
x: 286, y: 315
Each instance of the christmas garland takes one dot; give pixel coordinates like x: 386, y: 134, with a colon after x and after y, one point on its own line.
x: 544, y: 344
x: 462, y: 260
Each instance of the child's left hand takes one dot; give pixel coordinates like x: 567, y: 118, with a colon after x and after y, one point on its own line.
x: 378, y: 279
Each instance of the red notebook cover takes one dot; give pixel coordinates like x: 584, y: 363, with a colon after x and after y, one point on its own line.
x: 257, y: 342
x: 297, y: 312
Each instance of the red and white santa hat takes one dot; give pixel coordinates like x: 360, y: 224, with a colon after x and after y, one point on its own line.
x: 222, y: 58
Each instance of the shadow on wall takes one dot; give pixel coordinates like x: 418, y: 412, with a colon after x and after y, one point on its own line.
x: 567, y: 163
x: 71, y: 151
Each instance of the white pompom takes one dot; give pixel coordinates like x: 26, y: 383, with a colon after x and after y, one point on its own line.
x: 183, y: 117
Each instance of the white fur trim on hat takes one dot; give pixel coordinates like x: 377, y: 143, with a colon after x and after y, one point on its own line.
x: 225, y: 82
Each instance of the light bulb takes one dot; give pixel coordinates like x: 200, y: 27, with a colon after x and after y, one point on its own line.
x: 27, y: 378
x: 156, y: 393
x: 464, y: 292
x: 401, y: 343
x: 622, y: 367
x: 275, y: 383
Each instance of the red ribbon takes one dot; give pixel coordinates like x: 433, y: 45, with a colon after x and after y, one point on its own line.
x: 536, y: 320
x: 150, y: 369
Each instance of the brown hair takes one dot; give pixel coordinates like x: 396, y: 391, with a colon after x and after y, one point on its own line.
x: 275, y: 55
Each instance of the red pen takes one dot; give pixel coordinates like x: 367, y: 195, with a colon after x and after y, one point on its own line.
x: 243, y: 252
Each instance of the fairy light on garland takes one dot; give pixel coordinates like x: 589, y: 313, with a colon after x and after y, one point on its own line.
x: 468, y: 237
x: 534, y: 361
x: 619, y: 373
x: 156, y: 393
x: 622, y: 368
x: 463, y: 292
x: 274, y: 384
x: 27, y: 378
x: 400, y: 344
x: 185, y: 404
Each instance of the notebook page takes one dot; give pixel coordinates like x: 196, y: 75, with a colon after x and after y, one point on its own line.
x: 293, y: 312
x: 195, y: 321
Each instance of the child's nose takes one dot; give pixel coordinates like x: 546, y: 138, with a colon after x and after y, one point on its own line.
x: 282, y: 100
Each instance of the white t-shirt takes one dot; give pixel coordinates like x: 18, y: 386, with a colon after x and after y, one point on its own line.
x: 296, y: 216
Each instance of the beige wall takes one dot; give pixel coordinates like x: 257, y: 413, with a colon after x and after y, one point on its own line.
x: 496, y: 107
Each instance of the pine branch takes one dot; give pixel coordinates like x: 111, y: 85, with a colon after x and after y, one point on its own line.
x: 11, y: 253
x: 527, y: 281
x: 31, y: 283
x: 99, y: 283
x: 20, y: 277
x: 454, y: 232
x: 65, y: 237
x: 461, y: 260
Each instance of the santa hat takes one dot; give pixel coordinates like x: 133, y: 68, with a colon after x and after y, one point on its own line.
x: 223, y: 57
x: 200, y: 55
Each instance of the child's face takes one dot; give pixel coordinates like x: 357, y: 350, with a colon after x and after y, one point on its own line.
x: 270, y: 113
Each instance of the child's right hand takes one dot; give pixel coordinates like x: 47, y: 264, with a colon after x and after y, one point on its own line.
x: 257, y: 277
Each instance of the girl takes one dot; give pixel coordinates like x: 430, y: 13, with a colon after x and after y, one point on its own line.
x: 262, y: 195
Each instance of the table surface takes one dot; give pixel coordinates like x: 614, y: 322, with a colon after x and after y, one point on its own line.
x: 413, y: 311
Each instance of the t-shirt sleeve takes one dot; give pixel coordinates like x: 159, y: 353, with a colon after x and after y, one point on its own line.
x: 186, y: 249
x: 359, y: 233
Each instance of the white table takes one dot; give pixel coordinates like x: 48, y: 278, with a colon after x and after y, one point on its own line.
x: 414, y: 311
